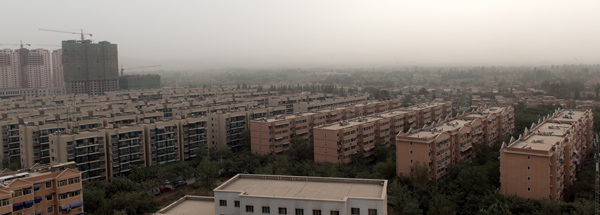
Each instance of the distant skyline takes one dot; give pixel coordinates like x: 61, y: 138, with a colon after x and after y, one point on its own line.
x: 311, y: 33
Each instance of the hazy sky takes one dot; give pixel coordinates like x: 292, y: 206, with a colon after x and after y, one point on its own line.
x: 306, y: 33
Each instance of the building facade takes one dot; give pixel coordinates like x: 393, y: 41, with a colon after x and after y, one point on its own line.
x: 90, y: 68
x: 266, y: 194
x: 57, y: 192
x: 542, y: 162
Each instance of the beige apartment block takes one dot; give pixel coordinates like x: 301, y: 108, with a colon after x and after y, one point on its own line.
x: 35, y: 142
x: 270, y: 136
x: 9, y: 139
x: 338, y: 142
x: 498, y: 122
x: 193, y: 135
x: 125, y: 147
x: 226, y: 129
x: 275, y: 194
x: 162, y: 142
x: 87, y: 149
x: 542, y: 162
x: 436, y: 147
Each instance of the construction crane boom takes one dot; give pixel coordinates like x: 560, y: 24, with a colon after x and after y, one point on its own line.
x: 67, y: 32
x: 140, y: 67
x: 16, y: 44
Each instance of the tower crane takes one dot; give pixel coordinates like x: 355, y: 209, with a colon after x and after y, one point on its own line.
x: 67, y: 32
x: 47, y: 45
x: 141, y: 67
x: 16, y: 44
x: 24, y: 83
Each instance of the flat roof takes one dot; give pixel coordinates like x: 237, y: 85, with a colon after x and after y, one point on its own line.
x: 191, y: 207
x: 537, y: 142
x: 569, y: 115
x: 337, y: 125
x: 320, y: 188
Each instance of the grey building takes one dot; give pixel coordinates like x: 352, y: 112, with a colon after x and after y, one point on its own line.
x: 90, y: 68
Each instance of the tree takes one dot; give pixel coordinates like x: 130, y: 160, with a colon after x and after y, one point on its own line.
x: 206, y: 174
x: 419, y: 172
x: 441, y: 204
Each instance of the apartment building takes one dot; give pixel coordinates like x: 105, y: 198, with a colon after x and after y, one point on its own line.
x: 35, y: 143
x: 542, y: 162
x: 87, y: 149
x: 125, y: 147
x: 338, y: 142
x: 498, y: 122
x: 270, y: 136
x: 266, y: 194
x: 436, y: 147
x: 57, y: 69
x: 429, y: 113
x: 162, y: 142
x: 43, y: 192
x: 226, y: 129
x: 193, y: 136
x: 9, y: 136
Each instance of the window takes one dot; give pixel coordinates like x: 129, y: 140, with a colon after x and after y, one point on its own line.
x: 334, y: 213
x: 26, y: 191
x: 372, y: 211
x: 249, y: 208
x: 282, y: 210
x: 529, y: 189
x: 223, y: 203
x: 299, y: 211
x: 236, y: 204
x: 62, y: 183
x: 5, y: 202
x: 49, y: 197
x: 355, y: 211
x: 529, y: 178
x: 528, y: 168
x: 266, y: 209
x: 316, y: 212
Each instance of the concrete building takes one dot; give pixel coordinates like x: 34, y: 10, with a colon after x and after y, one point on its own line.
x: 498, y: 122
x: 44, y: 191
x: 129, y: 82
x: 87, y: 149
x: 162, y: 142
x: 10, y: 140
x: 35, y: 142
x: 253, y: 194
x: 193, y: 136
x: 57, y: 69
x: 436, y: 147
x: 39, y: 69
x: 9, y: 75
x: 125, y: 147
x: 24, y: 68
x: 90, y: 68
x: 273, y: 136
x: 542, y: 162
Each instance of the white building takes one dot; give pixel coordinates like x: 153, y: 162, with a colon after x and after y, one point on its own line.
x: 273, y: 194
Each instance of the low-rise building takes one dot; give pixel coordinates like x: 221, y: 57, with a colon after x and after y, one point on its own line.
x: 275, y: 194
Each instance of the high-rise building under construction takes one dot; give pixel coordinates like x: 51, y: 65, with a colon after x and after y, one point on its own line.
x: 90, y: 68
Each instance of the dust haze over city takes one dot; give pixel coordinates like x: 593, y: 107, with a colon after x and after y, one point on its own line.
x: 234, y: 34
x: 299, y: 107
